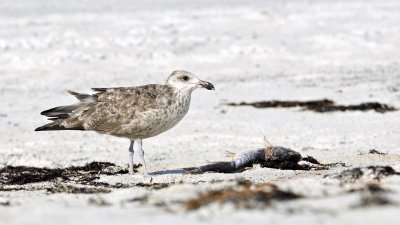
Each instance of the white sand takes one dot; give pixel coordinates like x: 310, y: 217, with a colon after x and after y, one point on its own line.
x: 347, y: 51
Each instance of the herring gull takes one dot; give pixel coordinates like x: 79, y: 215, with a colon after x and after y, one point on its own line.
x: 135, y: 113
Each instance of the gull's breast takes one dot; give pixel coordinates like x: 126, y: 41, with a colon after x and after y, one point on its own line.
x: 153, y: 122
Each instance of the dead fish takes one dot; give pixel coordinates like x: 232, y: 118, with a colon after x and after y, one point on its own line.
x: 270, y: 156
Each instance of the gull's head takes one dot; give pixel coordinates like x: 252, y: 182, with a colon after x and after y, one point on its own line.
x: 186, y: 81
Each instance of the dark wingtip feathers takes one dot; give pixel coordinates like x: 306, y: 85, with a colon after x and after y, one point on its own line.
x: 59, y: 112
x: 39, y: 129
x: 56, y: 126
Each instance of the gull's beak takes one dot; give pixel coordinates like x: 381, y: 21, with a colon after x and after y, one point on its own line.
x: 206, y: 85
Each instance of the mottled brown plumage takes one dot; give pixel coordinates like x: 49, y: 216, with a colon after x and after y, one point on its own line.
x: 134, y: 113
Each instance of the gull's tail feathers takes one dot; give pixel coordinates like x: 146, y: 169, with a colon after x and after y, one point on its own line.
x: 60, y: 113
x: 82, y: 97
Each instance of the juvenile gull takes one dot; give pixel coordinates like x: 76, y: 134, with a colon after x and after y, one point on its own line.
x: 135, y: 113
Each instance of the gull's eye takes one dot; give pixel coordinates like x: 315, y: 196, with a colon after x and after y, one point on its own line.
x: 185, y: 78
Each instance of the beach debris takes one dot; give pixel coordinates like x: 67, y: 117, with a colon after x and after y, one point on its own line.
x: 270, y: 156
x: 74, y: 179
x: 20, y: 175
x: 154, y: 186
x: 370, y: 173
x: 98, y: 201
x: 373, y: 195
x: 320, y: 106
x: 243, y: 195
x: 143, y: 199
x: 376, y: 152
x: 4, y: 202
x: 76, y: 190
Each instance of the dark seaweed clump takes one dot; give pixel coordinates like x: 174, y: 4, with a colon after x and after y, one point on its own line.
x: 74, y: 179
x: 20, y: 175
x: 244, y: 195
x: 76, y: 190
x: 376, y: 152
x: 373, y: 195
x: 320, y: 106
x: 371, y: 172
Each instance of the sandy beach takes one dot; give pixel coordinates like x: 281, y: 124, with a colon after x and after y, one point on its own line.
x: 344, y: 51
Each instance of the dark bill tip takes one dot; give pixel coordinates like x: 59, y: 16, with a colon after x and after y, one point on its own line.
x: 207, y: 85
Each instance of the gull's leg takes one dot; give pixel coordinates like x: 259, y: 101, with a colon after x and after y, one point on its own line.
x: 131, y: 151
x: 141, y: 154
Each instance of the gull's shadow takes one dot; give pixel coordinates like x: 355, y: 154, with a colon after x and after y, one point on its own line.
x: 174, y: 171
